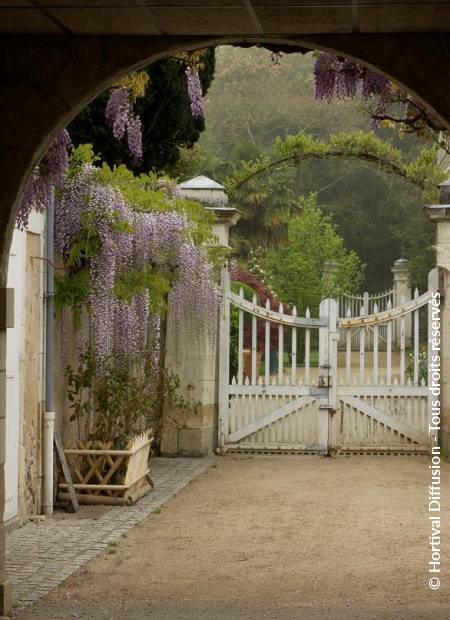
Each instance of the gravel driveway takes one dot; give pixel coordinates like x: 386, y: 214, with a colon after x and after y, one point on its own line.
x: 274, y: 537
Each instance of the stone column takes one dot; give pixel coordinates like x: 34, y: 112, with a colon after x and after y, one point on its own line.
x: 192, y: 348
x: 402, y: 294
x: 440, y: 215
x: 191, y: 353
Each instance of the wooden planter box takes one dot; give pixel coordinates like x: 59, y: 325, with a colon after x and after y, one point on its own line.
x: 102, y: 475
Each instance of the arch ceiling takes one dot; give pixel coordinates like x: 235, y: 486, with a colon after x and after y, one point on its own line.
x: 222, y: 17
x: 67, y: 51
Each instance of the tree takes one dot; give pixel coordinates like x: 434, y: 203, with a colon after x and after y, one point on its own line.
x: 314, y: 264
x: 382, y: 219
x: 360, y: 202
x: 165, y: 112
x: 379, y: 215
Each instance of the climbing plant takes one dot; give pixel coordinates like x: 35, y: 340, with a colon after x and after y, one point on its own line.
x: 339, y: 78
x: 47, y: 174
x: 143, y: 120
x: 294, y: 150
x: 131, y: 250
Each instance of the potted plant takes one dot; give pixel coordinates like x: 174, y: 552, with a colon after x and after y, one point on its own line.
x: 110, y: 460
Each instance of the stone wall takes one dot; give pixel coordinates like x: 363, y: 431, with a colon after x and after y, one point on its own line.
x: 65, y: 354
x: 30, y: 489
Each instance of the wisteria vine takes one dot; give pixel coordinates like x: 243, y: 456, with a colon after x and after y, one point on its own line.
x: 124, y: 122
x: 123, y: 242
x: 194, y: 87
x: 339, y: 78
x: 48, y: 174
x: 127, y: 125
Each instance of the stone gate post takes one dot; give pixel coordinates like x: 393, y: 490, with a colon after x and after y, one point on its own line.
x: 440, y: 215
x: 328, y: 339
x: 402, y: 294
x: 192, y: 350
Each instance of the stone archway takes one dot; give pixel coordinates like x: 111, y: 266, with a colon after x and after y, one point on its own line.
x: 46, y: 81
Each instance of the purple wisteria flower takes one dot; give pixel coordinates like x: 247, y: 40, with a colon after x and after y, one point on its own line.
x: 118, y: 109
x: 124, y: 122
x: 134, y: 138
x: 161, y: 240
x: 340, y: 78
x: 47, y: 175
x: 194, y: 87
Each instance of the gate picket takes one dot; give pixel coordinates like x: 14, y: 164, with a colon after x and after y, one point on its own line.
x: 402, y: 349
x: 416, y: 342
x: 241, y: 342
x: 307, y: 349
x: 280, y: 348
x: 294, y: 351
x: 389, y: 350
x: 267, y: 347
x: 362, y: 351
x: 254, y: 345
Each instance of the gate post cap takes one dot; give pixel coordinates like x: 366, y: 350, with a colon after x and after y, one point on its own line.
x: 444, y: 192
x: 400, y: 266
x: 438, y: 213
x: 213, y: 197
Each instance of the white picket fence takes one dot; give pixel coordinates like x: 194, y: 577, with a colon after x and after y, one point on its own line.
x: 377, y: 402
x: 371, y: 303
x: 356, y: 305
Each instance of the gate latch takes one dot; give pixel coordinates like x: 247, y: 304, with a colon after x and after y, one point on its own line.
x: 324, y: 381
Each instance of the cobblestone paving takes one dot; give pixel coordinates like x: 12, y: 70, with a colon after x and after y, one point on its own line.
x: 40, y: 555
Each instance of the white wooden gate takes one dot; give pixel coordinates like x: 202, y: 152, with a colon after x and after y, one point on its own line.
x: 368, y: 401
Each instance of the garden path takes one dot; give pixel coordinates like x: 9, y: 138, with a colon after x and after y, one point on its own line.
x: 42, y: 553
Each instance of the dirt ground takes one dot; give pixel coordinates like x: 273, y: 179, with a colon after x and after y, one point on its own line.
x: 274, y: 537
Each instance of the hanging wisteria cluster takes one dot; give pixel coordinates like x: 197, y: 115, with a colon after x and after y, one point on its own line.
x: 194, y: 87
x: 339, y: 77
x: 47, y: 175
x: 124, y: 122
x: 194, y: 292
x: 130, y: 241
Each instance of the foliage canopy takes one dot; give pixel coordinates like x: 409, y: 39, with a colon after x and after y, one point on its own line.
x: 165, y: 113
